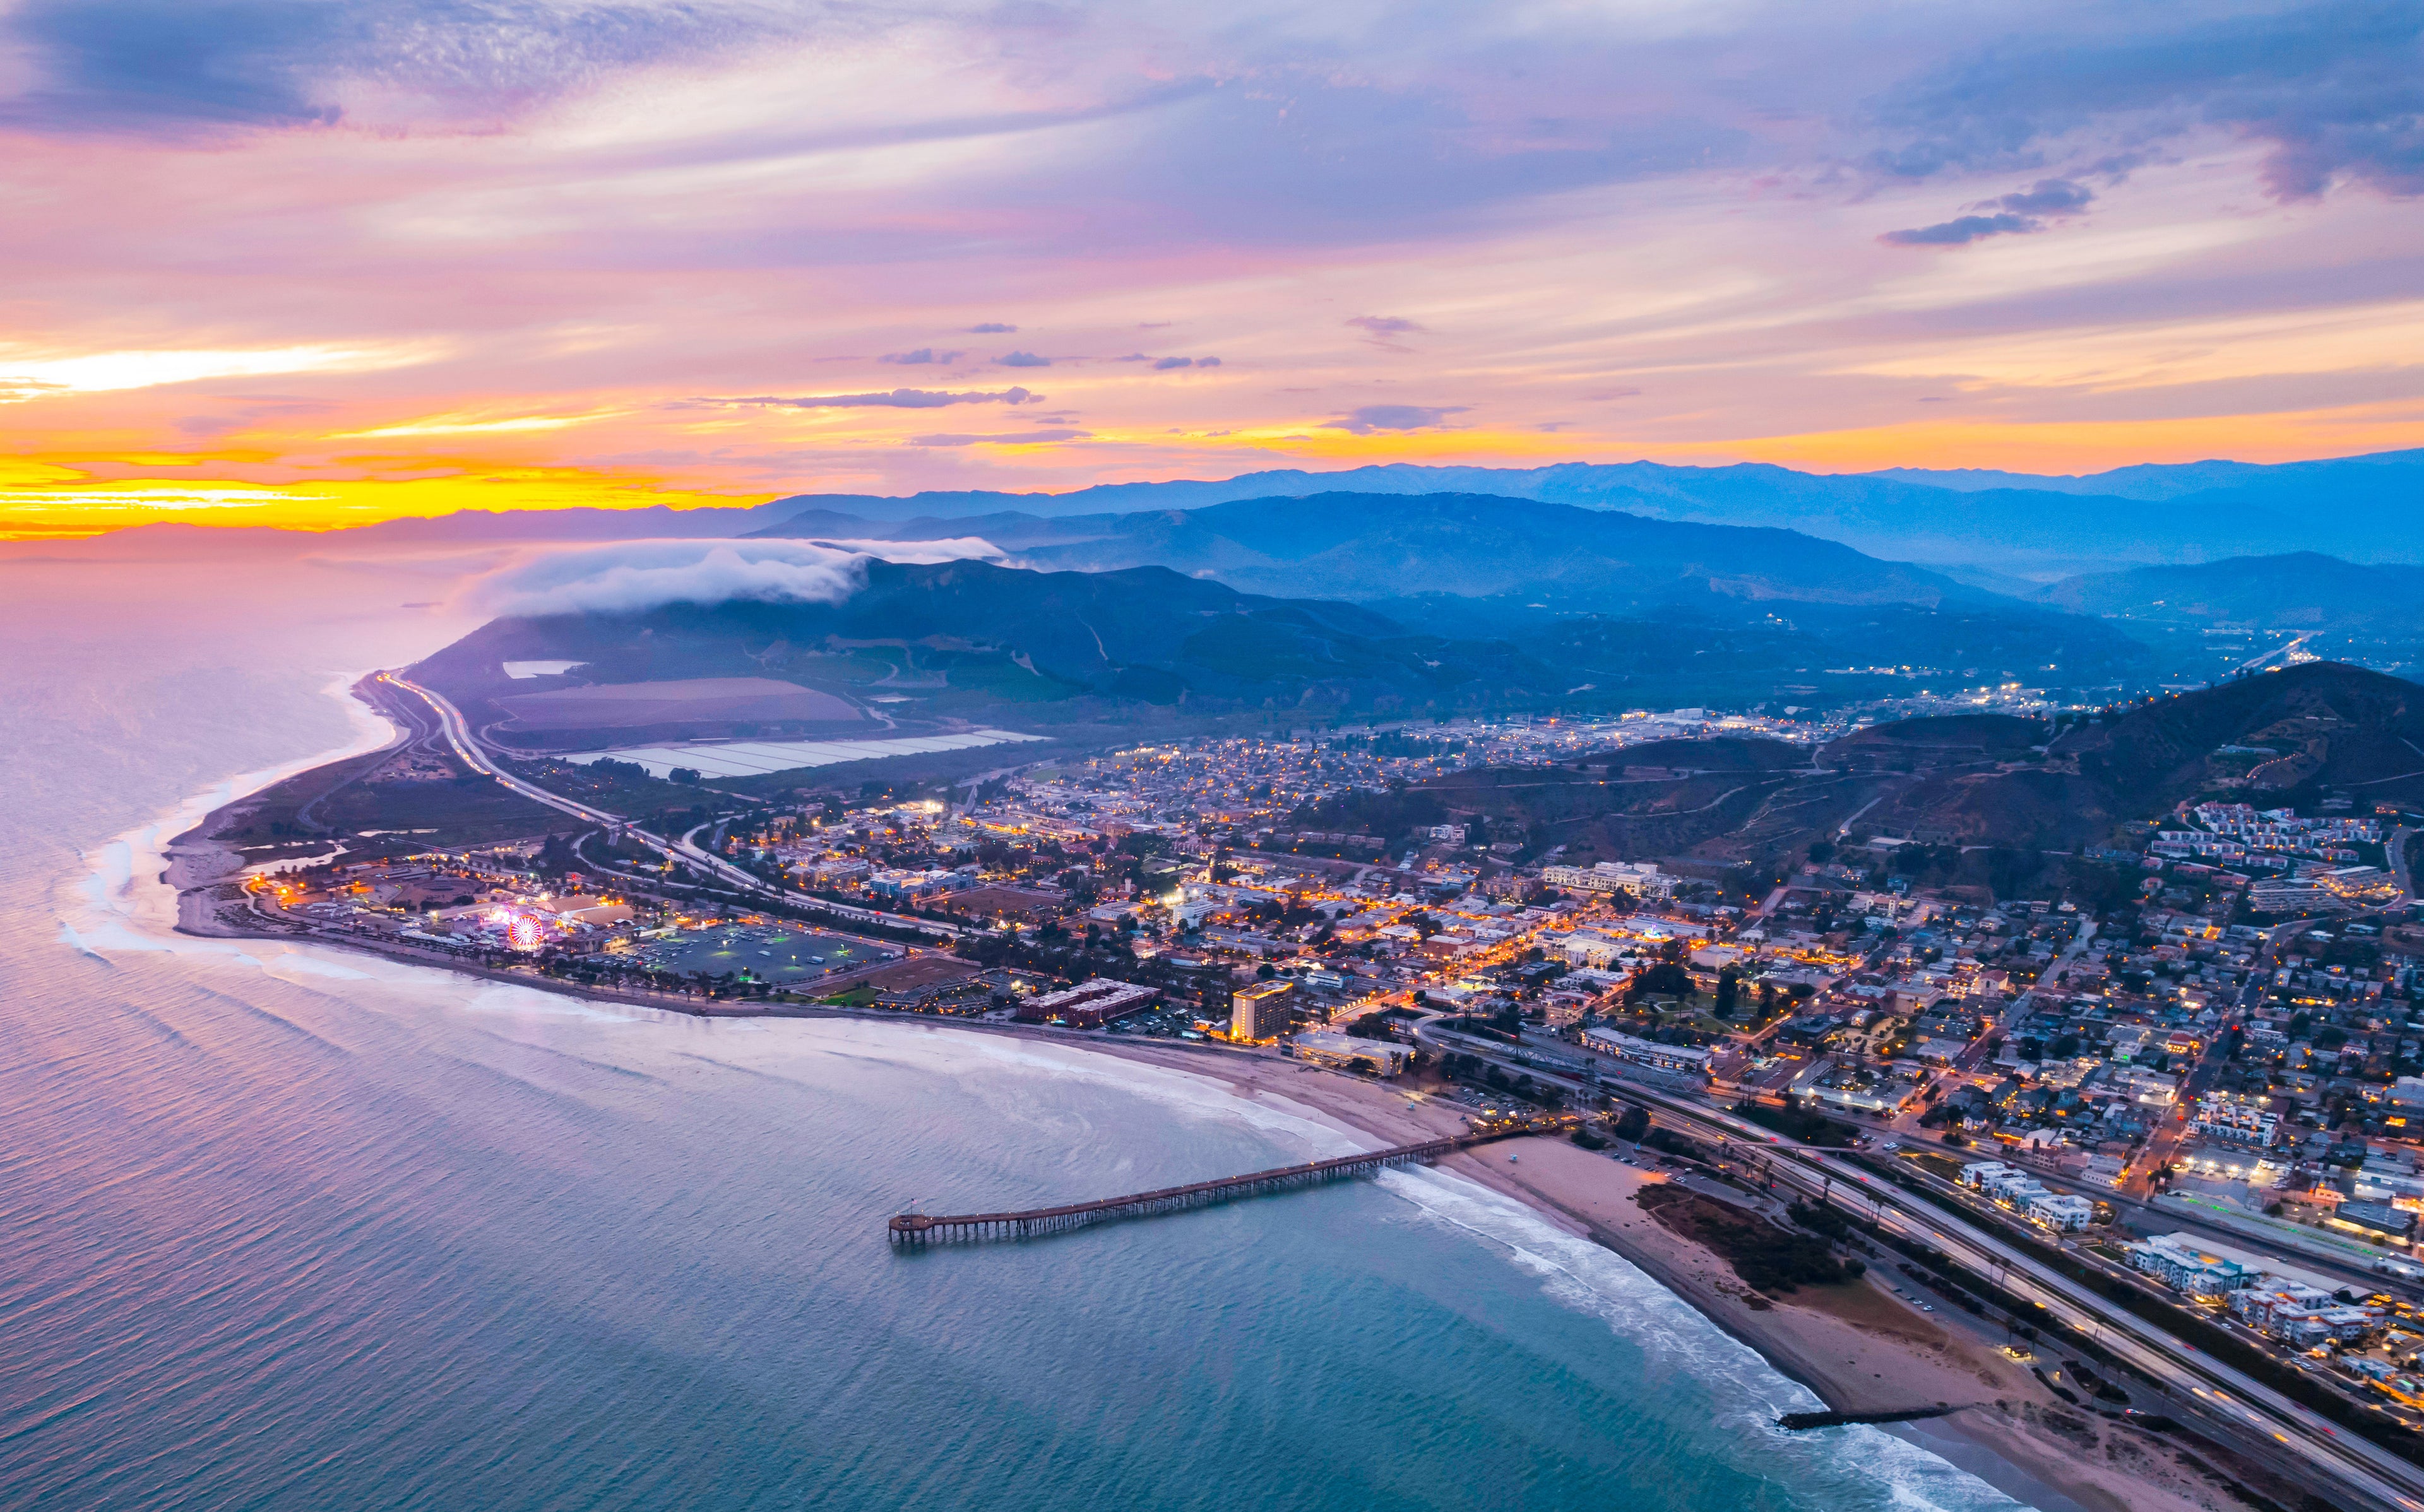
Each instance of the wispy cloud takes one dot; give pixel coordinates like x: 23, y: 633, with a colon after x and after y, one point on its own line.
x: 1385, y: 330
x: 1371, y: 418
x: 457, y: 229
x: 2015, y: 214
x: 1002, y: 437
x: 895, y: 399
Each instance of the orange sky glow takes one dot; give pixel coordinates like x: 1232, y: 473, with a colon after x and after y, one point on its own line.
x: 762, y: 255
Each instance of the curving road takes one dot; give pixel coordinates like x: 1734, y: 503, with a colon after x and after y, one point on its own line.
x: 458, y: 731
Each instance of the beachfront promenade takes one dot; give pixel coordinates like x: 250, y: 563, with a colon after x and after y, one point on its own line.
x: 922, y: 1228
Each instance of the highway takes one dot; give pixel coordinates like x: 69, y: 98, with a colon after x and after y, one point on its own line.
x: 2236, y: 1409
x: 467, y: 748
x: 2254, y: 1418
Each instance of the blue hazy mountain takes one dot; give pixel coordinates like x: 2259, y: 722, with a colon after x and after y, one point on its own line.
x: 1986, y: 528
x: 1365, y: 546
x: 2303, y: 591
x: 2364, y: 509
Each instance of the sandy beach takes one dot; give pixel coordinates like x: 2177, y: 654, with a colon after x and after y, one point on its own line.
x: 1859, y: 1346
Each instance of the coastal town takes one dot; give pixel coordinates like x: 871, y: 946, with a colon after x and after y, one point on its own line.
x: 2179, y: 1074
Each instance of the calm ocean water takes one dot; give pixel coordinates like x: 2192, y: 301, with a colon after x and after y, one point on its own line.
x: 304, y: 1230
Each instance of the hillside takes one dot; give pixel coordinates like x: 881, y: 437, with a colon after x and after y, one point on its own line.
x: 2319, y: 725
x: 2274, y: 739
x: 1675, y: 612
x: 1647, y: 799
x: 2301, y: 592
x: 925, y: 647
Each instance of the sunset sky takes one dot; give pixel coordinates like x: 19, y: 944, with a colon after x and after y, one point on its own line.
x: 320, y: 262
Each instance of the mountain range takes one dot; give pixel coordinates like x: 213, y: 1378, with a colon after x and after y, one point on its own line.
x: 2365, y: 509
x: 1367, y: 547
x: 925, y: 646
x: 1990, y: 527
x: 971, y: 641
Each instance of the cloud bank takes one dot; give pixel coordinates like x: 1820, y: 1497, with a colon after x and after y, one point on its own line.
x: 629, y: 576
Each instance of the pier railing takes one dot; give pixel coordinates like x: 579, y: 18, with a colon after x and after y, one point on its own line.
x: 926, y: 1228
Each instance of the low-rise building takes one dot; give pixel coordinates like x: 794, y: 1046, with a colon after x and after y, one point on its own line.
x: 1347, y: 1052
x: 2185, y: 1265
x: 2236, y: 1118
x: 2059, y: 1210
x: 1640, y: 879
x: 1680, y: 1064
x: 1089, y: 1005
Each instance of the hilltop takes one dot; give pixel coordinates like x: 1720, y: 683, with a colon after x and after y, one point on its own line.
x: 2280, y: 738
x: 1985, y: 782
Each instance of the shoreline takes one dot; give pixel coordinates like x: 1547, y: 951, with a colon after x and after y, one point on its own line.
x: 2003, y: 1427
x: 2006, y: 1428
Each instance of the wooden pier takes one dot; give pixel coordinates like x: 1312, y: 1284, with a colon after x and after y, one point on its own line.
x: 917, y: 1228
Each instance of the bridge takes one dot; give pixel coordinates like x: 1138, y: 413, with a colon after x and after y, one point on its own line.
x: 919, y: 1229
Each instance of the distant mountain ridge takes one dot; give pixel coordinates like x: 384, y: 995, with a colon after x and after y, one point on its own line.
x: 2301, y: 591
x: 970, y: 640
x: 2365, y: 509
x: 1364, y: 547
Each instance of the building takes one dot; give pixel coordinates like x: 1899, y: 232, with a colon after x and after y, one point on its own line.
x: 1680, y: 1064
x: 1260, y: 1012
x: 2060, y: 1212
x: 902, y: 886
x: 1639, y: 879
x: 2300, y: 1316
x: 1594, y: 950
x: 1341, y: 1052
x: 2185, y: 1265
x: 2374, y: 1218
x: 1090, y: 1004
x: 2236, y: 1118
x: 585, y: 910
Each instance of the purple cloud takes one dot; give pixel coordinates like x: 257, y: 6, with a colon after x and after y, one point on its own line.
x: 1024, y: 359
x: 1372, y: 417
x: 2015, y: 214
x: 923, y: 353
x: 2337, y: 87
x: 1384, y: 330
x: 1963, y: 230
x: 990, y: 328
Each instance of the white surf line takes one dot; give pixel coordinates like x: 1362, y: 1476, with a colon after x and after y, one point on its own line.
x: 125, y: 904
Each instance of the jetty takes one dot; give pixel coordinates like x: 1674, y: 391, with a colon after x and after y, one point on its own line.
x: 919, y: 1229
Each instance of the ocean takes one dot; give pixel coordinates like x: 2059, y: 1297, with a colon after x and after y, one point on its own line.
x: 298, y: 1229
